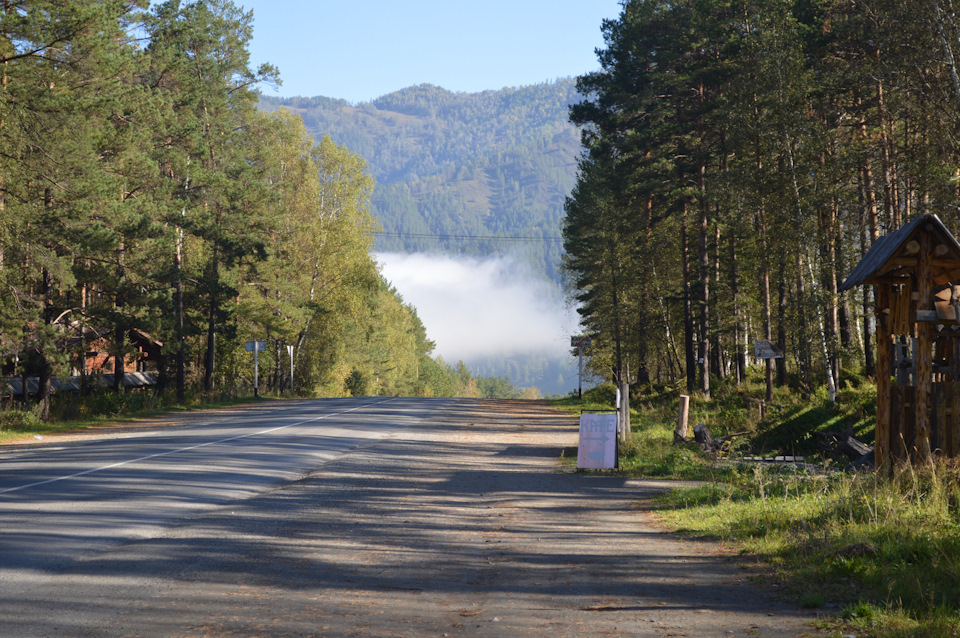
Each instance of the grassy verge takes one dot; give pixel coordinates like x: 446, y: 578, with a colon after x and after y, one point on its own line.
x: 71, y: 415
x: 881, y: 556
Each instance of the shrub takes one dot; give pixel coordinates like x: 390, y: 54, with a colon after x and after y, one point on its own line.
x: 19, y: 420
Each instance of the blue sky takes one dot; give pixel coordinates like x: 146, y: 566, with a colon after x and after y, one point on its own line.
x: 358, y: 50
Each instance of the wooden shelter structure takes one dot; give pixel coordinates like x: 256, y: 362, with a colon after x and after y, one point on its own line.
x: 916, y: 271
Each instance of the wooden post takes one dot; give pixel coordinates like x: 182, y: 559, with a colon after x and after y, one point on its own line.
x: 938, y: 429
x: 882, y: 443
x: 924, y: 359
x: 681, y: 433
x: 952, y: 434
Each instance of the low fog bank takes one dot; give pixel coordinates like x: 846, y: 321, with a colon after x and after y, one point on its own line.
x: 493, y: 314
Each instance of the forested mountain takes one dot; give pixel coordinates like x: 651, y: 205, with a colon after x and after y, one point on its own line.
x: 451, y: 167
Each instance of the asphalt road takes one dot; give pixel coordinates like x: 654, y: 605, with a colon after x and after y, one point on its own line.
x: 363, y: 517
x: 61, y: 502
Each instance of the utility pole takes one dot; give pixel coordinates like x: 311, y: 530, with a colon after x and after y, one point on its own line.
x: 580, y: 343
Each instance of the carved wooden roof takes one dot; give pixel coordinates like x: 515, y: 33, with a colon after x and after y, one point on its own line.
x: 894, y: 257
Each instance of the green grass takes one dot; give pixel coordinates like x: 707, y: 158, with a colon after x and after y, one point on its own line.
x: 884, y: 552
x: 879, y: 556
x: 69, y: 414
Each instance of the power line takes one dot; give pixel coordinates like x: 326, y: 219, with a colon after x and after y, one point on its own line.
x: 477, y: 237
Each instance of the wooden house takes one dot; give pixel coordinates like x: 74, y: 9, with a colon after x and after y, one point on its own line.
x: 90, y: 360
x: 916, y: 271
x: 145, y: 356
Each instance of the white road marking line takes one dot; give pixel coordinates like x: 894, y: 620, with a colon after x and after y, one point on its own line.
x: 188, y: 448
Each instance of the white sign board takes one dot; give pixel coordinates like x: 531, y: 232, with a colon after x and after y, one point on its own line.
x: 598, y: 442
x: 763, y: 349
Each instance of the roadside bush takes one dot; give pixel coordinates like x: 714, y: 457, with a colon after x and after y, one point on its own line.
x: 605, y: 393
x: 356, y: 384
x: 19, y: 419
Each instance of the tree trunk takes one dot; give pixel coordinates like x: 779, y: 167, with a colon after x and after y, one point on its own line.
x: 46, y: 369
x: 704, y: 258
x: 717, y: 362
x: 181, y: 339
x: 765, y: 286
x: 119, y: 336
x: 688, y: 336
x: 211, y: 353
x: 740, y: 363
x: 803, y: 343
x: 939, y: 26
x: 831, y: 336
x: 831, y: 380
x: 891, y: 211
x: 781, y: 363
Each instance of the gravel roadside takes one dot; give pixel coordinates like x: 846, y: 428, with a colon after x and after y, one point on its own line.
x: 464, y: 525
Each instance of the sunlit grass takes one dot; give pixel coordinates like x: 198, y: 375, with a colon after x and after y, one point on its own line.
x: 878, y: 556
x: 884, y: 553
x: 70, y: 414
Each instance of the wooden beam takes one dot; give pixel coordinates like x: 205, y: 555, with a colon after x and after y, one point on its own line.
x: 886, y: 280
x: 924, y: 361
x: 882, y: 443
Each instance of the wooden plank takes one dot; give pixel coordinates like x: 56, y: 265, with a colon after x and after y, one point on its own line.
x: 924, y: 358
x: 908, y: 425
x: 896, y: 443
x: 901, y: 303
x: 882, y: 443
x: 888, y: 279
x: 939, y: 417
x: 952, y: 433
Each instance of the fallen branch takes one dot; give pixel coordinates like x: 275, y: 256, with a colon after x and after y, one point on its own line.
x: 711, y: 445
x: 845, y: 446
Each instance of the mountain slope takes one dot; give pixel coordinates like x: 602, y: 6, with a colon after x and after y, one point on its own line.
x: 451, y: 167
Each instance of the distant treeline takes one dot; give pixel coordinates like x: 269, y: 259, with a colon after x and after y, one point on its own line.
x: 141, y: 188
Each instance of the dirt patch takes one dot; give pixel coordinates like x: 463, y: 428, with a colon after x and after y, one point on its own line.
x: 463, y: 525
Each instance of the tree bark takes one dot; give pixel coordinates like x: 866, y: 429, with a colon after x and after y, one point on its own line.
x: 210, y: 355
x: 181, y: 339
x: 740, y: 363
x: 704, y: 258
x: 803, y: 343
x: 119, y: 336
x: 767, y: 310
x: 688, y: 336
x: 781, y: 363
x: 717, y: 363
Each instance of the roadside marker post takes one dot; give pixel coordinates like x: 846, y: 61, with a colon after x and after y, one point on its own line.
x: 255, y: 347
x: 290, y: 352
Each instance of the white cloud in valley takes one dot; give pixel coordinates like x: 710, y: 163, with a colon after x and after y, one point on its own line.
x: 481, y: 307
